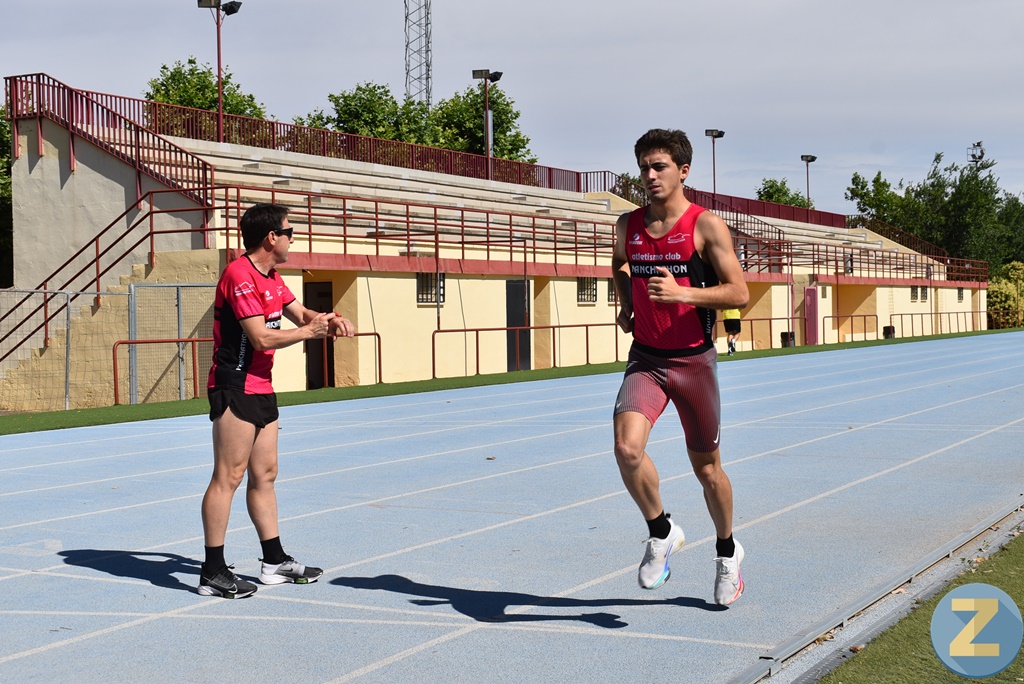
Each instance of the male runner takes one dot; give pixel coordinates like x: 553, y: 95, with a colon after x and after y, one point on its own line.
x: 251, y: 298
x: 674, y: 265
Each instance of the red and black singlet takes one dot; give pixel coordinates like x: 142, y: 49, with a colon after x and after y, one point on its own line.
x: 668, y: 330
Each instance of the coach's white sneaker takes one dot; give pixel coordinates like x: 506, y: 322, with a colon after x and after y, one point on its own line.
x: 654, y: 570
x: 728, y: 579
x: 289, y: 571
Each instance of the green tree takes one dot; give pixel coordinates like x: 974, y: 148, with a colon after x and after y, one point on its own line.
x: 195, y: 85
x: 370, y: 109
x: 778, y: 191
x: 460, y: 120
x: 456, y: 123
x: 960, y: 208
x: 5, y: 156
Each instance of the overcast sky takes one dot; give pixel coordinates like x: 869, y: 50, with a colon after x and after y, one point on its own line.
x: 865, y: 85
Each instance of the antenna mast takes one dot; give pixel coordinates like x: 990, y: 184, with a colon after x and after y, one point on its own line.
x: 417, y: 50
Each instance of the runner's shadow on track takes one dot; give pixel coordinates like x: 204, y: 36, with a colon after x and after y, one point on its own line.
x: 159, y: 569
x: 490, y: 606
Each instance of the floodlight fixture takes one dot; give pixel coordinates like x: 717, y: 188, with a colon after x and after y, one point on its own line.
x: 807, y: 159
x: 220, y: 10
x: 714, y: 134
x: 976, y: 152
x: 488, y: 77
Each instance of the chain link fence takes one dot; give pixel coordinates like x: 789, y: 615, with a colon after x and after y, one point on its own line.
x: 56, y: 347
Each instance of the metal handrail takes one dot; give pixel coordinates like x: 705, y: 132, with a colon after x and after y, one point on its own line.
x: 201, y: 124
x: 39, y: 95
x: 517, y: 329
x: 177, y: 340
x: 891, y: 232
x: 865, y: 318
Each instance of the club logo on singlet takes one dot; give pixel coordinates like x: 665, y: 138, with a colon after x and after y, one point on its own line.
x: 243, y: 289
x: 676, y: 238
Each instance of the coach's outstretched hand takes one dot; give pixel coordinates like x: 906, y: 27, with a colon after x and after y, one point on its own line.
x: 320, y: 326
x: 342, y: 327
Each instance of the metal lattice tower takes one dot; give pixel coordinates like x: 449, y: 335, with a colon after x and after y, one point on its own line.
x: 417, y: 50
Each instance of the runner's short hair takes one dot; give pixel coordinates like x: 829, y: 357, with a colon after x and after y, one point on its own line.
x: 260, y: 220
x: 672, y: 141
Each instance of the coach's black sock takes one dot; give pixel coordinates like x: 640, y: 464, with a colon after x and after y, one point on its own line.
x: 214, y: 560
x: 660, y: 526
x: 725, y: 548
x: 273, y: 554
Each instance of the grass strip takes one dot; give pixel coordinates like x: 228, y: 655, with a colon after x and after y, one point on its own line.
x: 903, y: 654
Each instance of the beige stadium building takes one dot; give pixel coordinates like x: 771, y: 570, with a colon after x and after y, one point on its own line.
x: 449, y: 264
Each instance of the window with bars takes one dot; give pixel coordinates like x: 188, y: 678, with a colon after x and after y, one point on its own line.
x: 924, y: 294
x: 429, y: 288
x: 586, y: 290
x: 913, y: 293
x: 611, y: 290
x: 960, y: 294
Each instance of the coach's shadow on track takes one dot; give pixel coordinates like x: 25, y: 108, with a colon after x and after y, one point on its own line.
x: 159, y: 569
x: 490, y: 606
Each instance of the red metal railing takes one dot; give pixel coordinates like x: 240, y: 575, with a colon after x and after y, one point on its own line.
x: 750, y: 327
x: 379, y: 369
x: 852, y: 318
x: 832, y: 260
x: 40, y: 96
x: 201, y: 124
x: 517, y: 330
x: 898, y: 236
x: 942, y: 322
x: 194, y: 341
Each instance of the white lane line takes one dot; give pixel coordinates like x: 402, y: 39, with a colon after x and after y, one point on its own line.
x: 376, y: 440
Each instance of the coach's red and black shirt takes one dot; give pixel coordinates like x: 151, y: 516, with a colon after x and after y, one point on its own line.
x: 244, y: 292
x: 669, y: 330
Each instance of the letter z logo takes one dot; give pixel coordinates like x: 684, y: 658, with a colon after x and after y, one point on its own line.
x: 976, y: 630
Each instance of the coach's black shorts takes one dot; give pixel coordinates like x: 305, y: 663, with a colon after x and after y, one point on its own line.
x: 732, y: 325
x: 258, y: 409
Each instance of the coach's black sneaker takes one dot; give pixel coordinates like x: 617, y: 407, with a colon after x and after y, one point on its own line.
x: 290, y: 570
x: 225, y: 583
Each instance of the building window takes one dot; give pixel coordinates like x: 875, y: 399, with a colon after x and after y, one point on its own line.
x: 824, y: 292
x: 960, y: 294
x: 586, y: 290
x: 913, y: 293
x: 611, y: 290
x: 924, y: 294
x: 429, y: 288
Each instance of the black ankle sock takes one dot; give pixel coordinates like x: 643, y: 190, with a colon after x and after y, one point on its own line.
x: 660, y: 526
x: 214, y: 559
x: 725, y: 548
x: 272, y: 551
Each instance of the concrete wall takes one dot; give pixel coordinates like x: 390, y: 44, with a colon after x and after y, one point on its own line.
x: 58, y: 210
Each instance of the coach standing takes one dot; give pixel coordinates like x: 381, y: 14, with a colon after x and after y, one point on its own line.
x: 250, y: 300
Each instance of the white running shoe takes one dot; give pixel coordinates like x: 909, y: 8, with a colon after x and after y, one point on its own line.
x: 654, y: 570
x: 728, y: 579
x: 289, y: 571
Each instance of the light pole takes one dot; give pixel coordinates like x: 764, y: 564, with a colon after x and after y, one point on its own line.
x: 488, y: 77
x: 220, y: 10
x: 807, y: 159
x: 714, y: 134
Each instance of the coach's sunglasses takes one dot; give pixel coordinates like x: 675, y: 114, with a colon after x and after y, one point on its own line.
x: 287, y: 232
